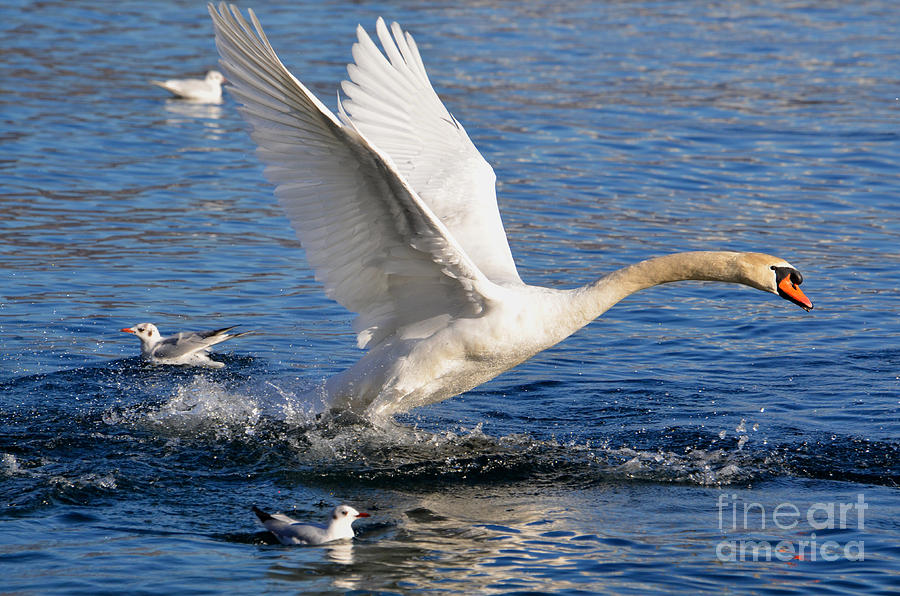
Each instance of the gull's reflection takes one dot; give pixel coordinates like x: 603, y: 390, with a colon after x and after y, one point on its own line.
x: 208, y: 114
x: 194, y: 109
x: 340, y: 551
x: 318, y: 568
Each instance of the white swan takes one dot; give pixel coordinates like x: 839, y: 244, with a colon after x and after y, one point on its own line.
x: 397, y: 212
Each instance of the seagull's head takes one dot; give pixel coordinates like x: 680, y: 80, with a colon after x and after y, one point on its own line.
x: 147, y: 332
x: 346, y: 512
x: 214, y: 76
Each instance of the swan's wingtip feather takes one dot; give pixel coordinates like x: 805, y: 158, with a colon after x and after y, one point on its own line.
x: 298, y: 140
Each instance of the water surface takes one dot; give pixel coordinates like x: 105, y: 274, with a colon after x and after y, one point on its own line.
x: 621, y: 461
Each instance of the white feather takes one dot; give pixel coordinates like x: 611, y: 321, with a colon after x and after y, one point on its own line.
x: 355, y: 214
x: 391, y: 101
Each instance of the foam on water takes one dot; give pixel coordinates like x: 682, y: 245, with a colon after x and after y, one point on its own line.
x: 337, y: 445
x: 10, y: 464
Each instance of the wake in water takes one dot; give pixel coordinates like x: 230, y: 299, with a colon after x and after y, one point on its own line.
x: 275, y: 419
x: 101, y: 431
x: 203, y: 405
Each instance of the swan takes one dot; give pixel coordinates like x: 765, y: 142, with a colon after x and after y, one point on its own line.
x: 397, y: 211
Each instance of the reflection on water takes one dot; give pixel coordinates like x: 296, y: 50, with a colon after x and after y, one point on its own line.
x: 191, y: 109
x: 522, y: 538
x: 206, y: 114
x: 340, y: 552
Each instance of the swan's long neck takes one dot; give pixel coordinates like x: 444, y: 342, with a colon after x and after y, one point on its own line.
x: 596, y: 298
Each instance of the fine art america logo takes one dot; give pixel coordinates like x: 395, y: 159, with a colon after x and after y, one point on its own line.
x: 737, y: 516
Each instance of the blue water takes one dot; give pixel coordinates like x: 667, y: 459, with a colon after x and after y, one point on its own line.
x: 622, y: 461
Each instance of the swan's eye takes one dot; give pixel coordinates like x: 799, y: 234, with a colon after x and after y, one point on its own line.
x: 786, y: 281
x: 344, y: 512
x: 787, y: 272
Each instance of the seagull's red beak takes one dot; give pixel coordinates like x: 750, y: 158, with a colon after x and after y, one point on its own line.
x: 128, y: 330
x: 362, y: 515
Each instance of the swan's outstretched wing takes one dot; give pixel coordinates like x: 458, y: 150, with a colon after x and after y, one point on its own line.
x: 375, y: 245
x: 391, y: 101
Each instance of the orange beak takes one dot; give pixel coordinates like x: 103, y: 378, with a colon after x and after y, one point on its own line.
x: 363, y: 515
x: 791, y: 291
x: 128, y: 330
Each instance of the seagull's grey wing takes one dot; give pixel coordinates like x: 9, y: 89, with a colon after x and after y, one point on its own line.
x: 306, y: 532
x: 182, y: 344
x: 294, y: 533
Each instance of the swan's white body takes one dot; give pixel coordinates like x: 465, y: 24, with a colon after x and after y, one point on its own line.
x: 289, y: 531
x: 397, y: 211
x: 184, y: 348
x: 205, y: 90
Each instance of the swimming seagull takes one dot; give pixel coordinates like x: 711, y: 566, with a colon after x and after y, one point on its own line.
x: 182, y: 348
x: 207, y: 90
x: 290, y: 531
x: 397, y: 211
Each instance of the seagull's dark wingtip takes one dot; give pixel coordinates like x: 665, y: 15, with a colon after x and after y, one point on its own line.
x: 219, y: 331
x: 262, y: 515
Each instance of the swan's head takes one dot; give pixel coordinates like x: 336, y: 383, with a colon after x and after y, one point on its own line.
x: 147, y: 332
x: 214, y: 76
x: 777, y: 276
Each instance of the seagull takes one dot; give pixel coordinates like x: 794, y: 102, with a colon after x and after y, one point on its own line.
x: 182, y: 348
x: 207, y: 90
x: 290, y: 531
x: 397, y: 211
